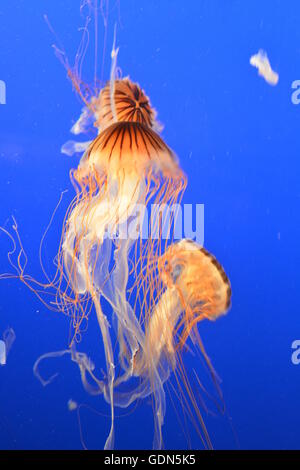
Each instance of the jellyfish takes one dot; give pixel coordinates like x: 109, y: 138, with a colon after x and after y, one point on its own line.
x: 153, y: 293
x: 119, y: 100
x: 194, y: 288
x: 127, y: 165
x: 125, y: 101
x: 124, y: 169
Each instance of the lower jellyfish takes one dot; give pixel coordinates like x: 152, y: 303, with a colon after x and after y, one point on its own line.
x: 194, y: 287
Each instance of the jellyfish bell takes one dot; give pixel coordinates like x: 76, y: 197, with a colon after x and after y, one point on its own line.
x: 130, y: 103
x: 197, y: 288
x: 120, y: 100
x: 199, y: 276
x: 127, y: 148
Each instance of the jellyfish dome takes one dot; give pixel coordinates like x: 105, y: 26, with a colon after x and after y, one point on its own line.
x: 124, y: 100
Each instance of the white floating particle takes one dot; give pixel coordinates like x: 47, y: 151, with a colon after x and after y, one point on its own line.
x: 2, y: 353
x: 261, y: 62
x: 72, y: 405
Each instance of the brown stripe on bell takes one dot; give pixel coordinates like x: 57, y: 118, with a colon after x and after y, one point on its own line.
x: 130, y: 104
x: 131, y: 146
x: 202, y: 282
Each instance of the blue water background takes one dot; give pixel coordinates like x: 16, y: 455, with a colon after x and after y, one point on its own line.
x: 238, y: 141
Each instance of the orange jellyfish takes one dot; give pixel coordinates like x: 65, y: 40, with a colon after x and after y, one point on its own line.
x: 194, y: 287
x: 119, y: 100
x: 156, y: 297
x: 125, y: 167
x: 124, y: 101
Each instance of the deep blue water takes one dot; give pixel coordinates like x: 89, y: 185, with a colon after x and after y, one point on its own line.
x: 238, y: 142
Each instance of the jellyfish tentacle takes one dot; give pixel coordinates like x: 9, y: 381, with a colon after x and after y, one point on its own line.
x: 110, y: 367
